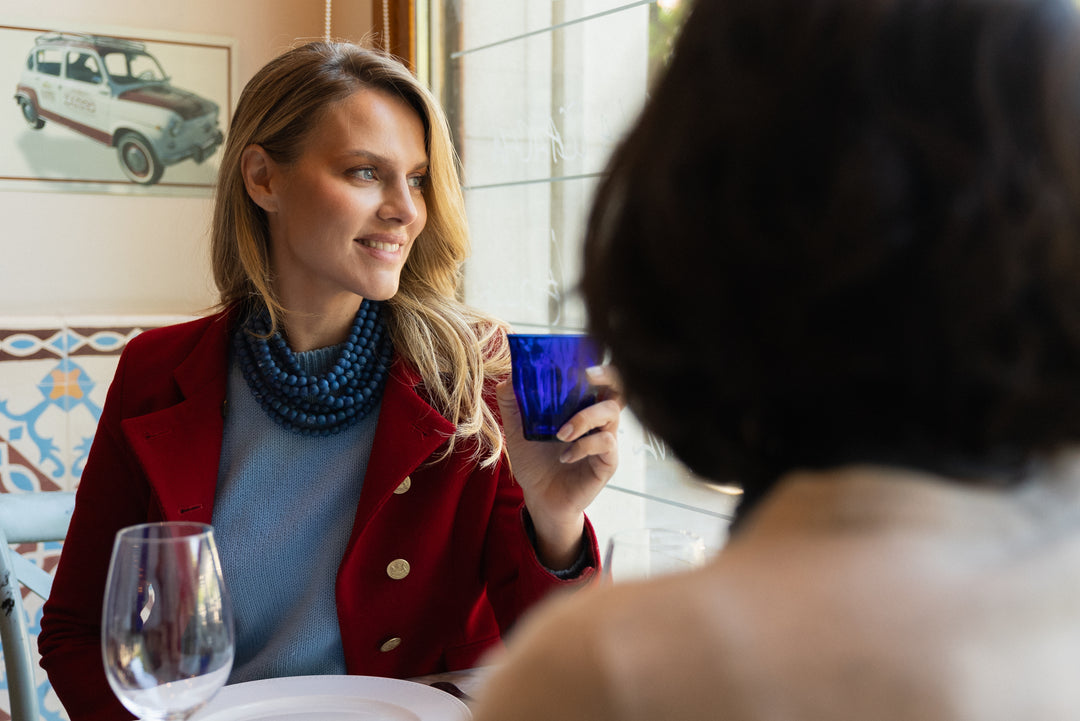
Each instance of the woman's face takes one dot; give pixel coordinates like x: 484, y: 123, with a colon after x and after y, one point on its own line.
x: 346, y: 213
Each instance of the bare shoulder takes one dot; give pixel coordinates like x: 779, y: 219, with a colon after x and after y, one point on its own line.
x: 586, y: 655
x: 548, y: 668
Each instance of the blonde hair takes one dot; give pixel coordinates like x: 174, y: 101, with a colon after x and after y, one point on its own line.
x: 456, y: 349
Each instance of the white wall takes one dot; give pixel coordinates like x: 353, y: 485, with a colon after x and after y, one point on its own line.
x: 79, y: 253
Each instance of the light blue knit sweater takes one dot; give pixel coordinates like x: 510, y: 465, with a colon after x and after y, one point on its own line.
x: 284, y: 510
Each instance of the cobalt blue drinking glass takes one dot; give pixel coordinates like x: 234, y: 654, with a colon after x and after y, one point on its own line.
x: 550, y: 381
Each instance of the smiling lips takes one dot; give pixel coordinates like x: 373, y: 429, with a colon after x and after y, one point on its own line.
x: 379, y: 245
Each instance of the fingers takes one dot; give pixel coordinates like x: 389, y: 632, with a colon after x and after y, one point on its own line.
x: 602, y: 375
x: 607, y: 381
x: 603, y: 415
x: 591, y: 434
x: 602, y: 450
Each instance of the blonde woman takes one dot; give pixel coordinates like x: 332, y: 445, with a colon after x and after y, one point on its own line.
x: 338, y: 420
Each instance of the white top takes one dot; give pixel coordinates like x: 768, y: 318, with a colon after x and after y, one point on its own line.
x: 855, y: 594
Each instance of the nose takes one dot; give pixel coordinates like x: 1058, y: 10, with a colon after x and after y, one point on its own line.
x: 399, y: 202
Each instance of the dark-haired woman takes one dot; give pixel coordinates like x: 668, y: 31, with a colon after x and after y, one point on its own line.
x: 838, y: 260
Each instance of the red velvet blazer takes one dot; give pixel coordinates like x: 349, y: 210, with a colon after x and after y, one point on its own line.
x: 473, y: 570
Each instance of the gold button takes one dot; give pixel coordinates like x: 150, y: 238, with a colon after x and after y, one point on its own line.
x: 404, y: 487
x: 398, y: 569
x: 390, y: 644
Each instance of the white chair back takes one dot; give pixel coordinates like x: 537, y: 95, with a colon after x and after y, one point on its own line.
x: 25, y: 518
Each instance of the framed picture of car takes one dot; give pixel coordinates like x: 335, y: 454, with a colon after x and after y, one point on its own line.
x: 111, y: 110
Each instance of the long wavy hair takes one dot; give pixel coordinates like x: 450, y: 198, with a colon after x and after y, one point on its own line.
x: 456, y: 349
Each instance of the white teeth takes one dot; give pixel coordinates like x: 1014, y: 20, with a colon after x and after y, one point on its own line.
x: 379, y: 246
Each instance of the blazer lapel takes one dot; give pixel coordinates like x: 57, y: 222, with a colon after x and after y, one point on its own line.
x: 408, y: 432
x: 179, y: 446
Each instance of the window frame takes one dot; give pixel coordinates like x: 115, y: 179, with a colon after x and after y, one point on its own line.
x: 395, y: 25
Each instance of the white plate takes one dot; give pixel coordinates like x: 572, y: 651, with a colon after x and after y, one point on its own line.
x: 332, y: 698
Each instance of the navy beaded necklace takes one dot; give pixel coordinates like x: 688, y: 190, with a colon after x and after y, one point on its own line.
x: 316, y: 405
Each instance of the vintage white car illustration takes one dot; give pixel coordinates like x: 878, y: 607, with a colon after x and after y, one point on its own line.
x: 113, y: 91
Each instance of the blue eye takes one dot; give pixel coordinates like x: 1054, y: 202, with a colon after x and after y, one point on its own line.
x: 364, y: 173
x: 417, y: 181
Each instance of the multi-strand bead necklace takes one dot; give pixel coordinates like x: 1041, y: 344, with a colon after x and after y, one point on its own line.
x: 321, y: 404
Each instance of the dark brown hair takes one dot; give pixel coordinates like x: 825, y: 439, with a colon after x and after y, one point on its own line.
x: 849, y: 230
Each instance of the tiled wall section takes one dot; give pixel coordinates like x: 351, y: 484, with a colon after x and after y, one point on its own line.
x: 54, y: 375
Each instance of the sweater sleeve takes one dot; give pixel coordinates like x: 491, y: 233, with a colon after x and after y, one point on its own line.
x: 587, y: 558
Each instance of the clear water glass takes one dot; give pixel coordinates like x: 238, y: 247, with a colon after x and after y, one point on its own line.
x: 641, y: 553
x: 167, y: 626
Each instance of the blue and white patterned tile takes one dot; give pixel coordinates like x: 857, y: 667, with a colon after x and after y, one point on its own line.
x: 32, y: 337
x: 32, y: 428
x: 96, y: 373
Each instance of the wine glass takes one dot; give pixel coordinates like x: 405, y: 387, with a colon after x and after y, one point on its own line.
x: 641, y: 553
x: 166, y: 629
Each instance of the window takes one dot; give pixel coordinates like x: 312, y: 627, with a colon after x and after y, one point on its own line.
x: 538, y: 92
x: 83, y: 67
x: 142, y: 66
x: 50, y: 60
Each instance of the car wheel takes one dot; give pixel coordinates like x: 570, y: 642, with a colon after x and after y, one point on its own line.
x: 30, y: 114
x: 138, y: 160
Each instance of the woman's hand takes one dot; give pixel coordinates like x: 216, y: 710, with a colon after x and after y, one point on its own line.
x: 560, y: 479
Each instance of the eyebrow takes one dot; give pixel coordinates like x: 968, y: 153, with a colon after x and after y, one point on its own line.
x: 383, y: 160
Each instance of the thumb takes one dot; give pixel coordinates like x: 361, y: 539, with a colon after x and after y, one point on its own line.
x: 508, y: 407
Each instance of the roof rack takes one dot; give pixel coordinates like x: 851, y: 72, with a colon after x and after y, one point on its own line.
x: 99, y: 40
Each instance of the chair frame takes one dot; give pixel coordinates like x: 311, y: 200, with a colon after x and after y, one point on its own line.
x: 25, y: 518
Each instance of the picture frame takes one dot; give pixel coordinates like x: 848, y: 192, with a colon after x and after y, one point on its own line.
x: 106, y: 109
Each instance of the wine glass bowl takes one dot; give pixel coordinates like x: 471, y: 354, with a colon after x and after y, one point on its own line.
x: 167, y: 630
